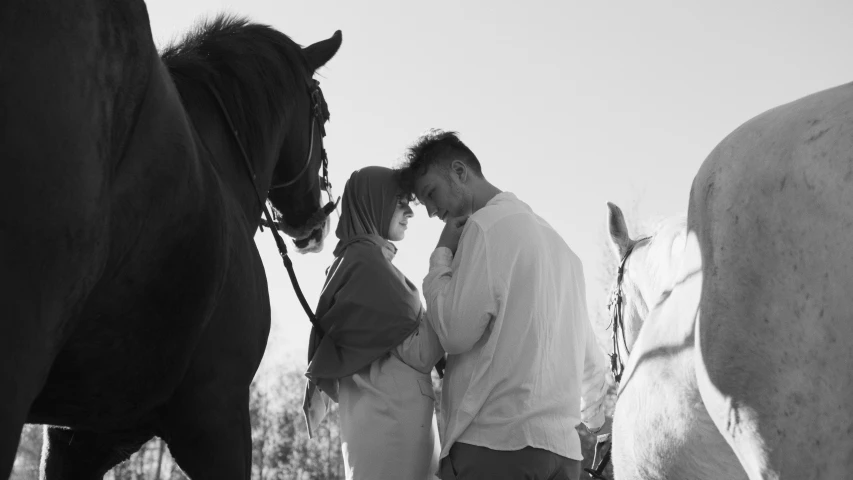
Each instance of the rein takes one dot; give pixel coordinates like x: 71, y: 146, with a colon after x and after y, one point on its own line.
x: 616, y: 320
x: 616, y: 306
x: 319, y: 114
x: 598, y: 473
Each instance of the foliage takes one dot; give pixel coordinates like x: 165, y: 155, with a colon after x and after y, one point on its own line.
x: 281, y: 447
x: 29, y: 454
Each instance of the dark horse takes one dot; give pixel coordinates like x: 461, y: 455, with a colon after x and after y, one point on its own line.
x: 133, y: 299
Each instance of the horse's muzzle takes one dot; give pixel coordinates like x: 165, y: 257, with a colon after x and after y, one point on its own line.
x: 309, y: 238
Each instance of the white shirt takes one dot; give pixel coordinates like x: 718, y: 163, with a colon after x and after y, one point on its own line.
x: 523, y: 367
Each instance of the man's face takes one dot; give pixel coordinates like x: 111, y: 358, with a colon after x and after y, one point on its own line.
x: 443, y: 193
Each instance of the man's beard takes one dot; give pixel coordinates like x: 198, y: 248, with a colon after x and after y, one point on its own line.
x: 462, y: 199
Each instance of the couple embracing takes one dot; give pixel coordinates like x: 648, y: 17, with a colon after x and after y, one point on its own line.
x: 506, y: 308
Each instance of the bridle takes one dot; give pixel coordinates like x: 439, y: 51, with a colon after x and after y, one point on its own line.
x: 616, y: 307
x: 319, y: 116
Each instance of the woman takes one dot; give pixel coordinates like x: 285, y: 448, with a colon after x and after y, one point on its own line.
x: 376, y: 350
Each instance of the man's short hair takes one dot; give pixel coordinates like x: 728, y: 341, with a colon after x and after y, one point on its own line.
x: 435, y: 147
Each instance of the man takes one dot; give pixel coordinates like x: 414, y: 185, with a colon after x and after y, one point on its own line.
x: 506, y: 296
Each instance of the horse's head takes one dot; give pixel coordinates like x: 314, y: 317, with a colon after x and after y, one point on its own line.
x: 301, y: 169
x: 648, y: 264
x: 271, y: 111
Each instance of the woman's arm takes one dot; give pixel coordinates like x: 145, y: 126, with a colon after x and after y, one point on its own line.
x: 422, y: 349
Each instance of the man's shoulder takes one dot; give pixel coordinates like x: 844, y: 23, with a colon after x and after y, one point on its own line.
x: 501, y: 208
x: 511, y: 219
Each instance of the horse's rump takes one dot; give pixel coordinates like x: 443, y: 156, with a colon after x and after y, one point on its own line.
x: 773, y: 210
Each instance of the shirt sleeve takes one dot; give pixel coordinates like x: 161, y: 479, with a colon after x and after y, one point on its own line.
x: 422, y: 349
x: 460, y: 299
x: 594, y: 383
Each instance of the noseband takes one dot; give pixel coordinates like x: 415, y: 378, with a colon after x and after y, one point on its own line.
x: 616, y: 307
x: 319, y: 116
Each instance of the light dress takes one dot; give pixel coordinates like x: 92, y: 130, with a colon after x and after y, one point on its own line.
x: 387, y: 413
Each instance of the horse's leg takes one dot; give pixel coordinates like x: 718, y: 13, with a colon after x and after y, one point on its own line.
x: 209, y: 434
x: 778, y: 384
x: 84, y: 455
x: 207, y: 420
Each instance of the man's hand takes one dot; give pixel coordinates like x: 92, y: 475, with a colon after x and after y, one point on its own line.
x: 606, y: 428
x: 452, y: 231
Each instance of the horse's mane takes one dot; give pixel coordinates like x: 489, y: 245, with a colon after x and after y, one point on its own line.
x: 250, y: 65
x: 664, y: 250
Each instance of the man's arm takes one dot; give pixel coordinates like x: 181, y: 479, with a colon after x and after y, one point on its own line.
x: 594, y: 384
x: 595, y: 371
x: 460, y: 302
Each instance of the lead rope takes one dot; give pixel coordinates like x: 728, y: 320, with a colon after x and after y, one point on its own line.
x: 282, y: 248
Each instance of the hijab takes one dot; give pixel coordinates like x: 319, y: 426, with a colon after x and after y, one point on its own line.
x: 367, y: 307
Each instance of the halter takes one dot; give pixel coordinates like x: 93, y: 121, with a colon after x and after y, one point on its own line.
x: 319, y: 115
x: 616, y: 306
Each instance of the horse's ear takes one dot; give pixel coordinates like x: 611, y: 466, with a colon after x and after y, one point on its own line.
x: 619, y: 239
x: 321, y: 52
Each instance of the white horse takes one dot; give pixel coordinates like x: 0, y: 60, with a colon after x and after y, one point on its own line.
x: 742, y: 366
x: 661, y: 428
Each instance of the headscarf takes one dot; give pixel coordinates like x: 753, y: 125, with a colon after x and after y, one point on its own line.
x: 370, y: 199
x: 367, y: 306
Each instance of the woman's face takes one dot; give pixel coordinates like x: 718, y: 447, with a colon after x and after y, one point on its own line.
x: 400, y: 220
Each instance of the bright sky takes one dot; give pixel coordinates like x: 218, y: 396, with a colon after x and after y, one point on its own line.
x: 568, y: 104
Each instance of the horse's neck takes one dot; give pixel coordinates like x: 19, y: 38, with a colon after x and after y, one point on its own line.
x: 218, y: 145
x: 661, y: 260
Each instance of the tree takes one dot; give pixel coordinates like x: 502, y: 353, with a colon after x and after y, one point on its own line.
x: 152, y: 461
x: 281, y: 447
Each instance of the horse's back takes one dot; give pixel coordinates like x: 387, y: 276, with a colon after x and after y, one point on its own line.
x: 773, y: 210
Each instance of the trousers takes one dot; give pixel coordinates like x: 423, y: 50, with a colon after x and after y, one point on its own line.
x: 470, y: 462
